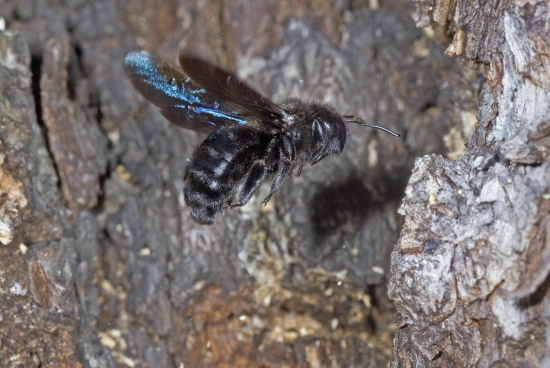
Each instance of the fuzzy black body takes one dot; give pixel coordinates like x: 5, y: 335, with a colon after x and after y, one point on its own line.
x: 231, y: 163
x: 251, y: 138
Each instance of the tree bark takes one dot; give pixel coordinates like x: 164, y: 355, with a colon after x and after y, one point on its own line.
x: 102, y: 265
x: 469, y: 273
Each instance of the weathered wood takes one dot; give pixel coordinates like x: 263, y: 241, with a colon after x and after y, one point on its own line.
x: 38, y: 314
x: 469, y: 271
x: 73, y: 139
x: 92, y: 174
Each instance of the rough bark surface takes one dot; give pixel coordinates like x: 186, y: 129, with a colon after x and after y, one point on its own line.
x: 470, y: 271
x: 101, y: 264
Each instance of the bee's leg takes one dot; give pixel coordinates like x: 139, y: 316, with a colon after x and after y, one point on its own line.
x: 255, y: 176
x: 300, y: 169
x: 287, y: 156
x: 280, y: 177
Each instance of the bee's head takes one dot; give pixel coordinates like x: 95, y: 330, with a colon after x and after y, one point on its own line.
x: 317, y: 129
x: 328, y: 132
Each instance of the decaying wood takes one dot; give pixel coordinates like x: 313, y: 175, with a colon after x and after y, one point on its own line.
x: 38, y: 317
x: 74, y: 152
x: 102, y: 265
x: 469, y: 273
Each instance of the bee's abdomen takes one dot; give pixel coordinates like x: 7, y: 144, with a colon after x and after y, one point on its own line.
x: 216, y: 169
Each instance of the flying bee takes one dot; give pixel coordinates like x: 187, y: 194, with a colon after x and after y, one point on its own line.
x: 251, y: 138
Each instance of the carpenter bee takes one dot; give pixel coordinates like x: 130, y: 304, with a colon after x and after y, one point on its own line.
x: 251, y: 138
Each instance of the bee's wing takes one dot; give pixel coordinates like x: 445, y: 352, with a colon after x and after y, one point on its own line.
x: 233, y: 94
x: 182, y: 101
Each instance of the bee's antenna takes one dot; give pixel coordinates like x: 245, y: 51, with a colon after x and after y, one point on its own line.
x: 356, y: 120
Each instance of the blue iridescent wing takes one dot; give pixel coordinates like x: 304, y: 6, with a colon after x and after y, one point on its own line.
x: 183, y: 100
x: 234, y: 94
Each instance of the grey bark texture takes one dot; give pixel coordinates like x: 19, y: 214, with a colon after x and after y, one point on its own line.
x: 102, y: 266
x: 470, y: 270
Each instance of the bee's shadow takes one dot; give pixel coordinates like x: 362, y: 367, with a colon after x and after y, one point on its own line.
x: 344, y: 205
